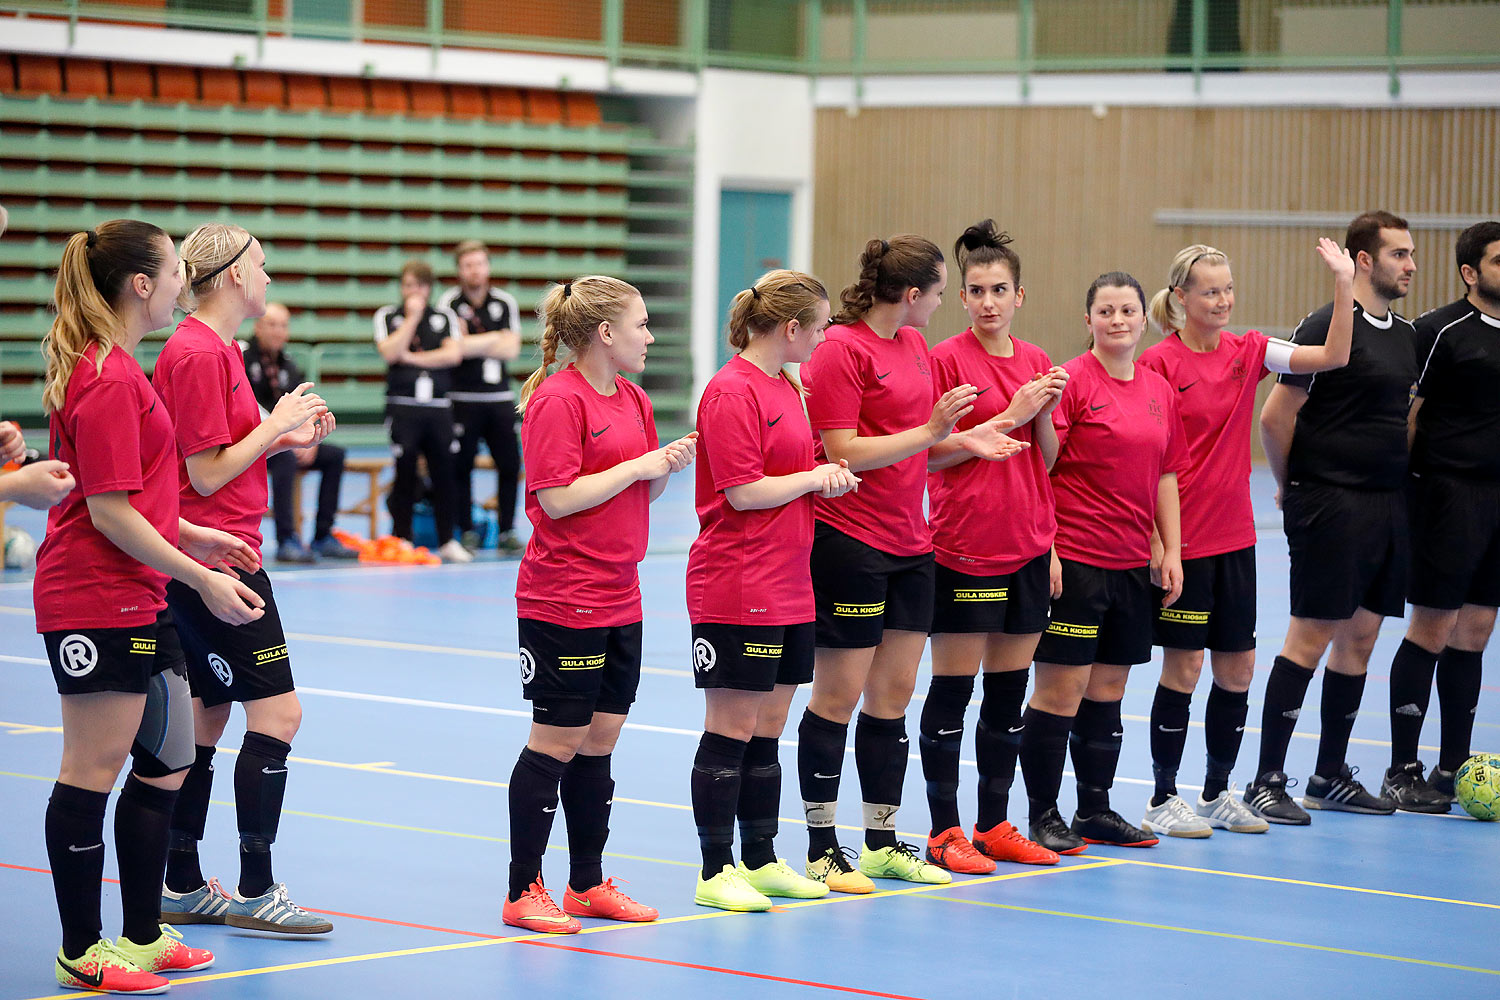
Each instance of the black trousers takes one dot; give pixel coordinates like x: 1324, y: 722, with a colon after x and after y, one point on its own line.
x: 426, y: 431
x: 495, y: 425
x: 328, y: 463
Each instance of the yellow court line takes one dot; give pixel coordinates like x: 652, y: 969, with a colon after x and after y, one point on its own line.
x: 832, y: 898
x: 1224, y: 935
x: 1315, y: 885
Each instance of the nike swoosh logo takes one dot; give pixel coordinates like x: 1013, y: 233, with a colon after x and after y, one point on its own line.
x: 609, y: 802
x: 267, y: 770
x: 81, y: 850
x: 948, y: 732
x: 882, y: 377
x: 1239, y: 729
x: 835, y: 774
x: 600, y: 430
x: 1117, y: 734
x: 580, y: 900
x: 1015, y: 730
x: 88, y: 978
x: 1165, y: 729
x: 1185, y: 388
x: 901, y: 740
x: 549, y: 809
x: 773, y: 423
x: 236, y: 388
x: 1096, y: 409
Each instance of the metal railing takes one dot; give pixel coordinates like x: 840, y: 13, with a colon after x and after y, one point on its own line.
x: 867, y: 37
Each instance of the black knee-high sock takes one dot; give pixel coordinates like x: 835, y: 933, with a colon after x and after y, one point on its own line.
x: 1285, y: 690
x: 75, y: 849
x: 942, y: 729
x: 997, y: 743
x: 880, y: 757
x: 1459, y: 676
x: 715, y: 790
x: 184, y: 873
x: 1044, y: 751
x: 760, y: 798
x: 143, y: 815
x: 1341, y: 697
x: 1223, y: 731
x: 259, y: 787
x: 1095, y: 745
x: 1411, y: 692
x: 587, y: 791
x: 533, y: 806
x: 820, y: 760
x: 1169, y: 721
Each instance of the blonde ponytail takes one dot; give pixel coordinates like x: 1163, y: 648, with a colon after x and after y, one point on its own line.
x: 1166, y: 311
x: 570, y: 314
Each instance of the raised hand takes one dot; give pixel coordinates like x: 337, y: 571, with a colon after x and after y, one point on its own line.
x: 311, y: 433
x: 1337, y: 259
x: 297, y: 408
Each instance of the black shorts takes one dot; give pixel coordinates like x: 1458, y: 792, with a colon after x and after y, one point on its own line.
x: 1455, y: 535
x: 1015, y: 603
x: 1349, y: 550
x: 232, y: 662
x: 86, y: 660
x: 752, y: 657
x: 1217, y: 607
x: 861, y: 591
x: 1103, y: 616
x: 568, y: 674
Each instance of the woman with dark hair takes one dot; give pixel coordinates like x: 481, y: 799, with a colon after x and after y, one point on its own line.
x: 992, y: 526
x: 749, y: 594
x: 1119, y: 451
x: 873, y: 405
x: 101, y: 577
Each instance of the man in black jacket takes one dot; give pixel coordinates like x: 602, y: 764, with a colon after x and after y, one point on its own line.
x: 273, y: 373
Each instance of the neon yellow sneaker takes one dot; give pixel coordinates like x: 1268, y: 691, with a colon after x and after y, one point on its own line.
x: 778, y: 879
x: 901, y: 862
x: 166, y: 954
x: 834, y: 870
x: 730, y: 890
x: 104, y: 970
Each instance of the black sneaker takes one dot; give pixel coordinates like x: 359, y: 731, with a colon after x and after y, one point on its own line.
x: 1342, y: 793
x: 1442, y: 783
x: 1406, y: 787
x: 1267, y: 798
x: 1109, y: 827
x: 1052, y: 832
x: 293, y: 551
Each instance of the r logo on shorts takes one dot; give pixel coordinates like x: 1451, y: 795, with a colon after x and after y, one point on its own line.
x: 79, y: 655
x: 528, y: 666
x: 704, y: 655
x: 221, y: 670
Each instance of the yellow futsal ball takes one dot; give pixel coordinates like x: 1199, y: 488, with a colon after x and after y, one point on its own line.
x: 1476, y: 784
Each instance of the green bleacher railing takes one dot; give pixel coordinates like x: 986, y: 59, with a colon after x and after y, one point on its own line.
x: 723, y: 35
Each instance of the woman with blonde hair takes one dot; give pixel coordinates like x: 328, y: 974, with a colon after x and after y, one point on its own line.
x: 1214, y: 373
x: 223, y: 443
x: 749, y: 593
x: 593, y: 466
x: 101, y: 576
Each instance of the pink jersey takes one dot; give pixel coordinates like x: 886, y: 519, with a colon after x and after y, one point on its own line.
x: 115, y: 434
x: 990, y: 518
x: 580, y: 571
x: 750, y: 567
x: 859, y: 380
x: 1117, y: 439
x: 203, y: 382
x: 1215, y: 394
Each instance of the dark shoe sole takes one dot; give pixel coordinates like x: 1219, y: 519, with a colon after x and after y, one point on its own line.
x: 190, y: 918
x: 1152, y: 842
x: 1308, y: 802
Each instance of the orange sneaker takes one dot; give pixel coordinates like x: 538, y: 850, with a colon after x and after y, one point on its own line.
x: 1005, y: 843
x: 606, y: 901
x: 952, y: 850
x: 104, y: 970
x: 536, y: 911
x: 167, y: 953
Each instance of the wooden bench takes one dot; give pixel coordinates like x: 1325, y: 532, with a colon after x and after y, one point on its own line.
x: 368, y: 505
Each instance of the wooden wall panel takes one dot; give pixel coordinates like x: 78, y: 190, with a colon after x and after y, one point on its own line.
x: 1079, y: 194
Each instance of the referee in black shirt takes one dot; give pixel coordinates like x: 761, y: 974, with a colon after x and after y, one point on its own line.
x: 1455, y: 525
x: 1336, y: 442
x: 421, y: 346
x: 484, y: 403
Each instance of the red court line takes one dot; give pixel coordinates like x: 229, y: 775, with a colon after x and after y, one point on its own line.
x: 715, y: 968
x: 327, y: 913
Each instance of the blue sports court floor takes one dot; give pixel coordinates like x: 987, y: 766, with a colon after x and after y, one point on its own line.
x: 396, y: 826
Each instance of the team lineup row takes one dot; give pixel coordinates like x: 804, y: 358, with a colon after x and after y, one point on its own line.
x: 1079, y: 513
